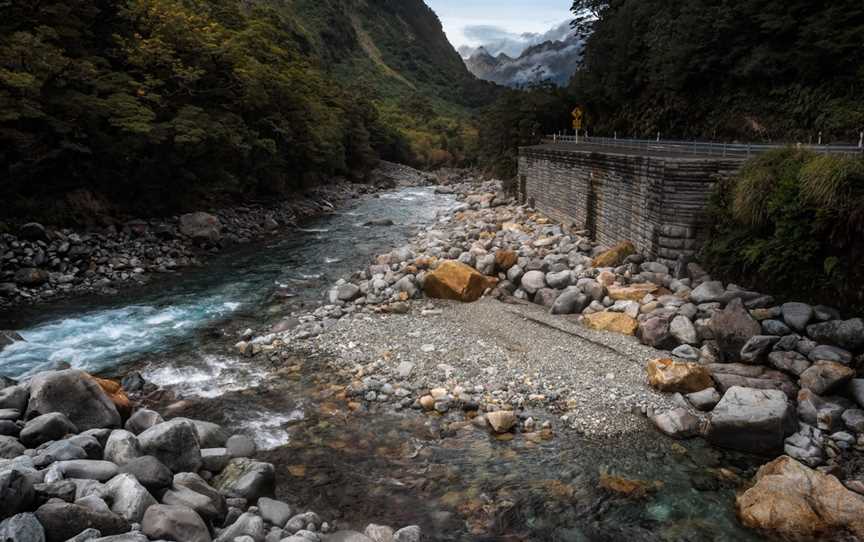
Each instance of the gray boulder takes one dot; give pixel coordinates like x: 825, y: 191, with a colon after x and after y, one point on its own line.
x: 825, y: 377
x: 853, y: 419
x: 707, y: 292
x: 22, y: 528
x: 84, y: 469
x: 683, y: 330
x: 122, y: 447
x: 704, y: 400
x: 64, y: 490
x: 791, y: 362
x: 16, y: 491
x: 752, y: 420
x: 848, y: 334
x: 210, y: 509
x: 532, y: 281
x: 247, y: 524
x: 201, y: 227
x: 193, y: 482
x: 214, y: 459
x: 571, y: 301
x: 823, y: 412
x: 142, y: 420
x: 76, y: 395
x: 412, y: 533
x: 10, y: 447
x: 806, y: 446
x: 61, y: 450
x: 15, y: 397
x: 830, y: 353
x: 210, y: 435
x: 856, y: 390
x: 274, y: 512
x: 46, y: 427
x: 559, y: 280
x: 240, y: 446
x: 677, y: 423
x: 174, y: 443
x: 167, y: 522
x: 148, y: 470
x: 127, y: 497
x: 87, y: 535
x: 732, y: 328
x: 755, y: 350
x: 797, y: 315
x: 247, y: 479
x: 62, y: 521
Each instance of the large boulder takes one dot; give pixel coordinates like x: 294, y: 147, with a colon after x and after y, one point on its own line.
x: 614, y: 256
x: 10, y: 447
x: 150, y: 472
x: 41, y: 429
x: 247, y: 479
x: 732, y: 328
x: 122, y: 447
x: 751, y: 420
x: 216, y: 507
x: 62, y: 521
x: 127, y: 497
x: 729, y: 375
x: 571, y: 301
x: 826, y: 376
x: 75, y: 394
x: 848, y: 334
x: 615, y: 322
x: 16, y: 490
x: 14, y: 397
x: 797, y: 502
x: 33, y: 231
x: 683, y: 329
x: 166, y: 522
x: 201, y: 227
x: 533, y: 281
x: 675, y: 376
x: 797, y: 315
x: 22, y: 528
x: 174, y: 443
x: 656, y: 332
x: 678, y: 423
x: 457, y: 281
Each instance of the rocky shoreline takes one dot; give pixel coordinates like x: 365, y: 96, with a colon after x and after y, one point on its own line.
x: 78, y: 462
x: 38, y: 263
x: 736, y: 367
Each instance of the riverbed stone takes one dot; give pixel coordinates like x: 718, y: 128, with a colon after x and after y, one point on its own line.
x: 456, y: 281
x: 85, y: 469
x: 752, y: 420
x: 672, y: 376
x: 856, y: 390
x: 411, y: 533
x: 62, y: 521
x: 168, y: 522
x: 201, y: 227
x: 830, y: 353
x: 148, y: 470
x: 571, y: 301
x: 826, y: 376
x: 174, y: 443
x: 853, y: 419
x: 274, y: 512
x: 22, y: 528
x: 656, y: 332
x: 704, y: 400
x: 247, y: 479
x: 732, y: 328
x: 615, y: 256
x: 16, y: 491
x: 10, y: 447
x: 822, y: 412
x: 532, y: 281
x: 248, y: 524
x: 61, y: 450
x: 848, y: 334
x: 122, y: 447
x: 614, y: 322
x: 795, y: 501
x: 47, y: 427
x: 756, y: 348
x: 792, y: 362
x: 678, y: 423
x: 14, y: 397
x: 501, y: 421
x: 797, y: 315
x: 75, y: 394
x: 127, y: 497
x: 214, y: 459
x: 240, y: 446
x: 142, y: 420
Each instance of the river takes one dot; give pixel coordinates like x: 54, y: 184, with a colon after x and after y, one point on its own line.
x: 391, y: 468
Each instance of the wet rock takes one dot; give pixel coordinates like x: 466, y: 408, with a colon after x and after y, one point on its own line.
x: 752, y: 420
x: 46, y: 427
x: 201, y: 227
x: 677, y: 423
x: 791, y: 362
x: 210, y: 435
x: 675, y: 376
x: 797, y: 315
x: 75, y: 394
x: 344, y: 292
x: 14, y: 397
x: 794, y: 501
x: 61, y: 450
x: 775, y: 327
x: 501, y: 421
x: 133, y: 382
x: 127, y: 497
x: 246, y: 478
x: 85, y: 469
x: 22, y: 528
x: 826, y: 376
x: 122, y: 447
x: 149, y: 471
x: 10, y: 447
x: 142, y: 420
x: 174, y: 443
x: 174, y: 523
x: 732, y: 328
x: 456, y: 281
x: 614, y: 256
x: 240, y: 446
x: 62, y: 521
x: 848, y: 334
x: 704, y: 400
x: 611, y: 321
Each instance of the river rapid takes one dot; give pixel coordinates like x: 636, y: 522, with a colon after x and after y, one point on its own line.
x: 457, y: 482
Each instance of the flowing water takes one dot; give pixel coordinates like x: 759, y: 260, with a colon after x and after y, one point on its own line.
x: 456, y: 481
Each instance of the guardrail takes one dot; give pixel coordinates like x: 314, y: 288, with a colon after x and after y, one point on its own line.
x: 731, y: 150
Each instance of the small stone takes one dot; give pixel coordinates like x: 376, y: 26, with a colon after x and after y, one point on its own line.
x: 704, y: 400
x: 501, y: 421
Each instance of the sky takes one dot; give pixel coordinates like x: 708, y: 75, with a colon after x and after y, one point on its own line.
x: 478, y: 22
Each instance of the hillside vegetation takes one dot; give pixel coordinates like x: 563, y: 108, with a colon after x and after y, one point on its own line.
x: 150, y: 105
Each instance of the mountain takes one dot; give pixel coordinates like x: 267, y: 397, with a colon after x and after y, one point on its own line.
x: 554, y: 60
x: 150, y: 106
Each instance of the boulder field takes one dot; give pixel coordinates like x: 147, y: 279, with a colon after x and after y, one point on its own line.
x: 74, y: 467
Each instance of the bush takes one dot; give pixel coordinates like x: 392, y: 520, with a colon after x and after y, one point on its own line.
x: 790, y: 223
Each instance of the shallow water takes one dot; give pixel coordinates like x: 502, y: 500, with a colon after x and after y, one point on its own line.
x: 457, y: 482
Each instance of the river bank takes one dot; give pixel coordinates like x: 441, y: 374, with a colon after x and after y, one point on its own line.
x: 39, y: 263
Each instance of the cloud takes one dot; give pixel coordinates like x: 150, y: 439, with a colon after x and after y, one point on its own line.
x: 497, y: 40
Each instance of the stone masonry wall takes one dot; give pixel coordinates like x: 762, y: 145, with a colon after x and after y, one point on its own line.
x: 658, y: 203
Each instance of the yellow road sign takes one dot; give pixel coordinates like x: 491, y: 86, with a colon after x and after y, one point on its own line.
x: 578, y: 114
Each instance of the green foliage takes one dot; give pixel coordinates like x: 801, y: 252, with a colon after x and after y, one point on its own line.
x: 753, y: 70
x: 791, y: 222
x: 520, y: 118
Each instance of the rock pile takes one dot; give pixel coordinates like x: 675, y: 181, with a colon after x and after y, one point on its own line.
x: 74, y: 468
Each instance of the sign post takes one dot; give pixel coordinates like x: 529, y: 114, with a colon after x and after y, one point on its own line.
x: 578, y: 114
